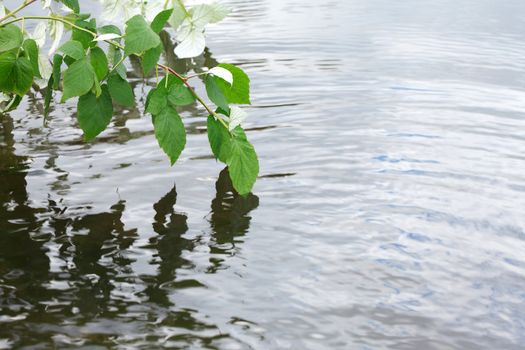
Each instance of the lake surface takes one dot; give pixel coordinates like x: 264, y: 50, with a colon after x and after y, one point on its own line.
x: 389, y: 214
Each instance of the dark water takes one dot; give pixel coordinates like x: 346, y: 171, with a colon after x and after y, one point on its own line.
x: 389, y: 213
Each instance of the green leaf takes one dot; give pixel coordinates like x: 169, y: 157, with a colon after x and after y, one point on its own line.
x: 139, y: 36
x: 31, y: 49
x: 170, y: 133
x: 160, y: 20
x: 110, y: 29
x: 16, y: 74
x: 48, y: 96
x: 115, y: 55
x: 94, y: 114
x: 219, y: 139
x: 179, y: 94
x: 150, y: 59
x: 11, y: 37
x: 242, y: 162
x: 57, y: 64
x: 215, y: 94
x: 239, y: 91
x: 72, y: 4
x: 99, y: 62
x: 157, y: 99
x: 78, y: 79
x: 120, y: 90
x: 85, y: 38
x: 73, y: 49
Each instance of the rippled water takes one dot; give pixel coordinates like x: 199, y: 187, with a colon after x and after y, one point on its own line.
x: 389, y: 213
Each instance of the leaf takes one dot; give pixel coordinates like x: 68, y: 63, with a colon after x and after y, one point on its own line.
x: 139, y: 36
x: 239, y: 91
x: 94, y: 114
x: 11, y: 37
x: 114, y: 56
x: 179, y: 94
x: 108, y: 36
x: 99, y: 62
x: 160, y: 20
x: 48, y: 96
x: 39, y: 34
x: 208, y: 13
x: 219, y: 139
x: 192, y: 43
x: 157, y: 100
x: 23, y: 76
x: 242, y: 163
x: 150, y: 59
x: 120, y: 90
x: 78, y: 79
x: 170, y: 133
x: 72, y: 4
x: 57, y: 64
x: 31, y: 49
x: 110, y: 29
x: 16, y: 74
x: 73, y: 49
x: 56, y: 31
x: 85, y: 38
x: 237, y: 116
x: 222, y: 73
x: 215, y: 94
x: 178, y: 16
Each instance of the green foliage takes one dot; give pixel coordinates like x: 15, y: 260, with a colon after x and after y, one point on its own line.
x: 57, y: 64
x: 73, y: 49
x: 16, y: 73
x: 216, y: 94
x: 170, y: 132
x: 120, y: 90
x: 78, y: 79
x: 151, y: 58
x: 179, y: 94
x: 99, y: 62
x: 239, y: 91
x: 160, y: 20
x: 11, y: 37
x: 95, y: 72
x: 139, y: 36
x: 72, y: 4
x: 94, y: 113
x: 31, y: 50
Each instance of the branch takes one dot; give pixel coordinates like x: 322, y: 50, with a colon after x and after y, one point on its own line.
x: 18, y: 9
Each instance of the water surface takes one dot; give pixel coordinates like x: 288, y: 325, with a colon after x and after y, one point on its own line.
x: 389, y: 213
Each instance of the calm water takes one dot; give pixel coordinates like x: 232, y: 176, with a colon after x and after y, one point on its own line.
x: 389, y: 213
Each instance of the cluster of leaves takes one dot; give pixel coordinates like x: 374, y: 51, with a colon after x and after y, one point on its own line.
x: 90, y: 65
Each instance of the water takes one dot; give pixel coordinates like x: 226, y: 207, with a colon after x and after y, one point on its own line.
x: 389, y: 213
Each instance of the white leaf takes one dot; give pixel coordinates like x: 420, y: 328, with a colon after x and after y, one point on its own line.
x: 222, y: 73
x: 152, y: 8
x: 46, y: 3
x: 56, y: 32
x: 192, y: 45
x: 112, y: 9
x: 178, y: 15
x: 204, y: 14
x: 2, y: 8
x: 46, y: 69
x: 108, y: 36
x: 201, y: 15
x: 39, y: 34
x: 218, y: 12
x: 4, y: 98
x: 237, y: 116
